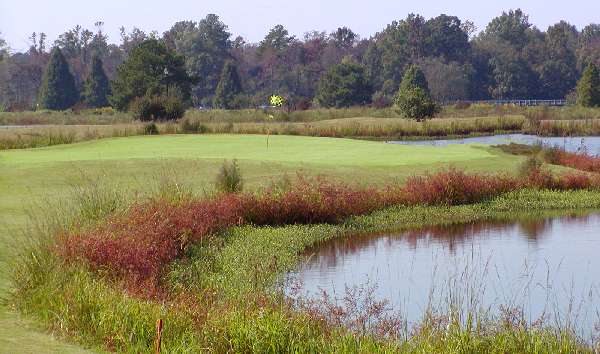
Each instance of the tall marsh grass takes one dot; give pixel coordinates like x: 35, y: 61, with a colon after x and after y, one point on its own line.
x: 33, y: 137
x: 377, y: 128
x: 98, y: 116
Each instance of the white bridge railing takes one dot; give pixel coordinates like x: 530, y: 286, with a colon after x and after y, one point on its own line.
x: 523, y: 103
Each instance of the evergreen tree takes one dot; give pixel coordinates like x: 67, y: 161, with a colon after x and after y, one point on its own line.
x: 97, y: 87
x: 588, y: 88
x: 414, y: 77
x: 229, y: 87
x: 58, y: 89
x: 150, y: 69
x: 413, y: 98
x: 344, y: 85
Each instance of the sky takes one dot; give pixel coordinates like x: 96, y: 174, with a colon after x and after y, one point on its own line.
x: 253, y: 18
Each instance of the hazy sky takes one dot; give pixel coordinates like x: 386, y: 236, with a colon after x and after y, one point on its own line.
x: 252, y: 19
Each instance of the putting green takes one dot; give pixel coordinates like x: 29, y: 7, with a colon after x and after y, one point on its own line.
x: 294, y: 149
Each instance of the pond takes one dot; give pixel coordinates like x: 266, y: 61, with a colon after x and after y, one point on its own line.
x: 573, y: 144
x: 546, y: 266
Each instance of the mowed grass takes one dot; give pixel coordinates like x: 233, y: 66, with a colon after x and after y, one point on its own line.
x: 43, y: 176
x: 286, y: 149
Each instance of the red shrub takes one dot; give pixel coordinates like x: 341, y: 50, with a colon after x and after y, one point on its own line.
x: 311, y: 201
x: 137, y: 246
x: 455, y: 187
x: 580, y: 161
x: 540, y: 178
x: 573, y: 181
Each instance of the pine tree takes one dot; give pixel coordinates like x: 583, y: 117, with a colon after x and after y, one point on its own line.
x: 97, y: 87
x: 228, y: 88
x: 58, y: 89
x: 413, y: 98
x: 414, y: 77
x: 344, y: 85
x: 588, y: 87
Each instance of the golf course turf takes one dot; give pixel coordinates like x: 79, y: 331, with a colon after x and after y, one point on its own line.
x: 292, y: 149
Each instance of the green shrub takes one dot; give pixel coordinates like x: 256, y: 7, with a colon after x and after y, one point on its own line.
x: 532, y: 165
x: 143, y: 109
x: 149, y: 108
x: 192, y: 126
x: 413, y: 98
x: 151, y: 129
x: 103, y: 110
x: 229, y: 179
x: 415, y: 103
x: 174, y: 108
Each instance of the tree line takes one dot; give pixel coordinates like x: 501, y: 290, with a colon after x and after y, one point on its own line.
x: 203, y: 64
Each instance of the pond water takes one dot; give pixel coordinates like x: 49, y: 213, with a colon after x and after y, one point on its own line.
x: 573, y: 144
x: 547, y: 266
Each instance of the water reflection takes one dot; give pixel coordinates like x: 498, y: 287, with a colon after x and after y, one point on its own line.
x: 450, y: 236
x: 542, y: 264
x: 589, y: 144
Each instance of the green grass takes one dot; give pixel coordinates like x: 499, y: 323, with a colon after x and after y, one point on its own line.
x: 46, y: 175
x: 282, y: 149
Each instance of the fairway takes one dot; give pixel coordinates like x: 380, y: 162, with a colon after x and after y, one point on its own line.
x: 289, y: 149
x: 45, y: 175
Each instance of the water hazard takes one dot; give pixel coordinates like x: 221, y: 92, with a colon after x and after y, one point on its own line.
x: 549, y: 267
x: 573, y: 144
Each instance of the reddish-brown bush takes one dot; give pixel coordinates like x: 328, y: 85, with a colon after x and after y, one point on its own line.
x: 311, y: 201
x: 580, y: 161
x: 137, y: 246
x: 455, y: 187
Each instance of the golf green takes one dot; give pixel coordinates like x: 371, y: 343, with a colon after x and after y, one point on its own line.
x: 296, y: 149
